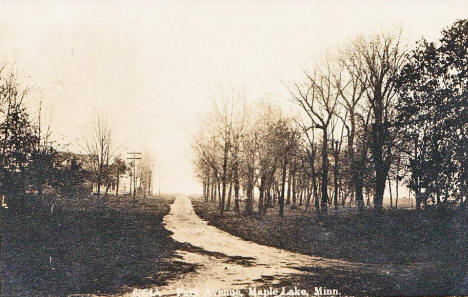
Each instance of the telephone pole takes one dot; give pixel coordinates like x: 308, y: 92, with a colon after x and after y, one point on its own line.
x: 134, y: 158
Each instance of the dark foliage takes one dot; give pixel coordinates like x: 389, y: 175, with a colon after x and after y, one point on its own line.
x: 433, y: 113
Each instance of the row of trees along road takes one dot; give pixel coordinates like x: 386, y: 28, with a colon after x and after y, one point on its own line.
x: 372, y: 114
x: 30, y: 161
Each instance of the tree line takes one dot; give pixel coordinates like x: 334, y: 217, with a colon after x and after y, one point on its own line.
x: 32, y: 162
x: 373, y: 116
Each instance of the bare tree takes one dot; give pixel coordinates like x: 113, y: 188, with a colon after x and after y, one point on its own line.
x: 318, y: 98
x: 223, y: 121
x: 268, y: 150
x: 382, y: 58
x: 289, y: 136
x: 99, y: 147
x: 352, y: 85
x: 237, y: 134
x: 336, y: 151
x: 218, y: 150
x: 310, y: 154
x: 205, y: 161
x: 249, y: 144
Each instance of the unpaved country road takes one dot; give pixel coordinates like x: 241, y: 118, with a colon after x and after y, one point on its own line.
x: 228, y: 262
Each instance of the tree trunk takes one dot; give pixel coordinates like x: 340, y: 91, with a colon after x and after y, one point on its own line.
x: 368, y: 199
x: 324, y: 171
x: 228, y: 204
x: 250, y: 187
x: 300, y: 197
x: 118, y: 182
x: 98, y: 188
x: 268, y: 198
x: 379, y: 191
x: 294, y: 190
x: 107, y: 190
x: 204, y: 189
x: 379, y: 136
x: 236, y: 187
x: 390, y: 190
x: 283, y: 184
x: 315, y: 190
x: 335, y: 177
x: 207, y: 196
x: 213, y: 190
x: 417, y: 196
x: 224, y: 177
x: 396, y: 193
x: 288, y: 198
x: 262, y: 193
x: 359, y: 167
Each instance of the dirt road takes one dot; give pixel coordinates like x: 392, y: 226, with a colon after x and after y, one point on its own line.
x: 228, y: 262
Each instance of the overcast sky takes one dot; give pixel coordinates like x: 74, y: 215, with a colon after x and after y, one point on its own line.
x: 153, y: 67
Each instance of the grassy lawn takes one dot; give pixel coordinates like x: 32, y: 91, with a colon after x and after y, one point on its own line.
x: 429, y: 245
x: 82, y: 246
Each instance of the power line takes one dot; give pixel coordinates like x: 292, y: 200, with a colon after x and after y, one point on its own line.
x: 134, y: 158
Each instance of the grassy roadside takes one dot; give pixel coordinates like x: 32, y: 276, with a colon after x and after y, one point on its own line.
x: 86, y: 247
x: 401, y: 239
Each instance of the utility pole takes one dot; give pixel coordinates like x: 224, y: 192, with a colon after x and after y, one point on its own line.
x: 131, y: 182
x: 134, y: 158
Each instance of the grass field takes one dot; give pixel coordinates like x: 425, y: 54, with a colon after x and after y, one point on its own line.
x: 82, y: 246
x: 429, y: 245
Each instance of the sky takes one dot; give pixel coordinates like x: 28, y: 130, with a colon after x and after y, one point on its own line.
x: 153, y: 68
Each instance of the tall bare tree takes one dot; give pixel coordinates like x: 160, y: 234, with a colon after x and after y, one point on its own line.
x: 318, y: 98
x: 382, y: 57
x: 268, y: 150
x: 289, y: 135
x: 99, y: 147
x: 352, y: 85
x: 249, y: 148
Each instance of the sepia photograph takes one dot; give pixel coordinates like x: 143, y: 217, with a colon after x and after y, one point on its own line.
x: 206, y: 148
